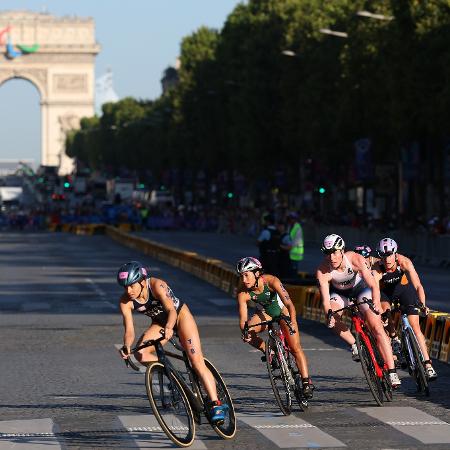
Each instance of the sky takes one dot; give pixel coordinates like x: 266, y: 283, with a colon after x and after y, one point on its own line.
x: 138, y: 38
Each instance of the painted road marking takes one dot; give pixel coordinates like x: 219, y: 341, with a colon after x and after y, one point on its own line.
x: 100, y: 292
x: 222, y: 301
x: 98, y: 304
x: 36, y: 434
x: 413, y: 422
x: 289, y: 431
x: 147, y: 433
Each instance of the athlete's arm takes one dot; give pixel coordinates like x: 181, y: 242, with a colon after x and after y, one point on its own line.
x: 163, y: 294
x: 278, y: 287
x: 128, y: 336
x: 323, y: 282
x: 407, y: 265
x: 359, y: 264
x: 242, y: 299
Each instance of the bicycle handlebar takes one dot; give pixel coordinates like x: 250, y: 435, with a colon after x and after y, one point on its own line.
x: 286, y: 319
x: 145, y: 344
x: 352, y: 307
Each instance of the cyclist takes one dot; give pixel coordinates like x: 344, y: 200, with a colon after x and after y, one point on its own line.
x: 343, y: 275
x: 154, y: 298
x: 366, y: 252
x: 400, y: 282
x: 272, y: 300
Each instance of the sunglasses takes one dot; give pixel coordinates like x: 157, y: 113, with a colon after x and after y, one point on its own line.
x: 328, y: 251
x: 385, y: 255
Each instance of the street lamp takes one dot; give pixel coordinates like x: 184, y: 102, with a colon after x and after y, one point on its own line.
x: 334, y: 33
x: 374, y: 16
x: 289, y: 53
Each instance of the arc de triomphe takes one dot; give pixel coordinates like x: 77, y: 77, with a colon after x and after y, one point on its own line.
x: 57, y: 55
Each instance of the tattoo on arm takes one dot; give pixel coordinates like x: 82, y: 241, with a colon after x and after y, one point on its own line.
x: 286, y: 294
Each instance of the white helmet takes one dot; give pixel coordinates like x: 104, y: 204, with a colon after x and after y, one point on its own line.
x: 332, y: 242
x: 248, y: 263
x: 386, y: 247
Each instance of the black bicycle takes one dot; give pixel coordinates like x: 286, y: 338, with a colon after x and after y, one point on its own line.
x: 283, y: 372
x: 179, y: 399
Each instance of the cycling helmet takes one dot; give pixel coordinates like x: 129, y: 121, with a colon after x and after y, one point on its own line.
x: 248, y: 263
x: 131, y: 272
x: 363, y: 250
x: 386, y: 247
x: 331, y: 243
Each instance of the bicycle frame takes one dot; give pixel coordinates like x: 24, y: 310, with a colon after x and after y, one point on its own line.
x: 407, y: 326
x: 359, y: 328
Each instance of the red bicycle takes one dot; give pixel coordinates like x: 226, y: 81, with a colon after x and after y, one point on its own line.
x: 372, y: 363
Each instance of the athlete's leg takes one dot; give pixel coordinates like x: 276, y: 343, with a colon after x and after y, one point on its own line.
x: 337, y: 302
x: 147, y: 355
x: 190, y: 340
x: 415, y: 324
x: 373, y: 321
x: 255, y: 340
x: 295, y: 345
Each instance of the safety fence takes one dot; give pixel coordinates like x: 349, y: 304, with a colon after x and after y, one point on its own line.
x: 436, y: 326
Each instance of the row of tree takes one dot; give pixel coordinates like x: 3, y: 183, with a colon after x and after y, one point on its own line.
x: 244, y: 101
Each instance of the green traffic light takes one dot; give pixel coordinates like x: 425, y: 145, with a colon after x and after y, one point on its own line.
x: 230, y: 195
x: 321, y: 190
x: 66, y: 184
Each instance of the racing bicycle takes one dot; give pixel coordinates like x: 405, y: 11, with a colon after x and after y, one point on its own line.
x: 283, y: 372
x: 179, y: 399
x: 372, y: 363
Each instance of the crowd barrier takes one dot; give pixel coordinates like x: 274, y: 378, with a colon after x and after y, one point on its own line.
x: 436, y: 326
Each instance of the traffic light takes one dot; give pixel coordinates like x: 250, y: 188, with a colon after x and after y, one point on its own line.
x: 230, y: 195
x: 66, y: 185
x: 322, y: 190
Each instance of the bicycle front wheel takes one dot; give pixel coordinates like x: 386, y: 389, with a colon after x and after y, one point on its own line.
x: 419, y: 369
x: 227, y: 429
x: 369, y: 371
x: 279, y: 376
x: 170, y: 405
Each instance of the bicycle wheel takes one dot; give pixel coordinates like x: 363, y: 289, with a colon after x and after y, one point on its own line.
x: 419, y: 369
x: 227, y: 429
x: 385, y: 382
x: 369, y: 371
x: 279, y: 378
x: 170, y: 405
x: 298, y: 388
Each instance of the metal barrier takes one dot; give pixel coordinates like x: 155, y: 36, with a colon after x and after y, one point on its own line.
x: 306, y: 299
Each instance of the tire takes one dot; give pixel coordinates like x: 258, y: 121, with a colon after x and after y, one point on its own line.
x: 170, y: 405
x: 372, y: 379
x: 226, y: 430
x: 385, y: 382
x: 298, y: 389
x: 419, y: 369
x: 279, y: 378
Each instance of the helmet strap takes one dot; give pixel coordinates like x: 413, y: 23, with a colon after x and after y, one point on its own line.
x: 256, y: 279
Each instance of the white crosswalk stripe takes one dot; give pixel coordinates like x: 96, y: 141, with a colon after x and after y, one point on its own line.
x: 289, y: 431
x: 143, y: 430
x: 35, y: 434
x: 150, y: 434
x: 413, y: 422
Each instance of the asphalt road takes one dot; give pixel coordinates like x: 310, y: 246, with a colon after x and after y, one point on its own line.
x: 230, y: 248
x: 63, y: 386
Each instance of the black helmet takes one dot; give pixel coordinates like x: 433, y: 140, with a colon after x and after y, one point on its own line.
x: 131, y: 272
x: 364, y: 250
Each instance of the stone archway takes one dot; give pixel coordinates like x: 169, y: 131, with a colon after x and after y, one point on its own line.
x: 57, y: 55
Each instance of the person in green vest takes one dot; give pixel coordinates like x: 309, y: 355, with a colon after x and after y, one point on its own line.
x: 297, y: 248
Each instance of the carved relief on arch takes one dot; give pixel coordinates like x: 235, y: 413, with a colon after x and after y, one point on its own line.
x: 36, y: 76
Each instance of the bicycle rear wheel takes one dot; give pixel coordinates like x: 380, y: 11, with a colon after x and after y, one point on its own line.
x: 227, y: 429
x: 279, y: 378
x: 170, y: 405
x: 419, y: 369
x: 369, y: 371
